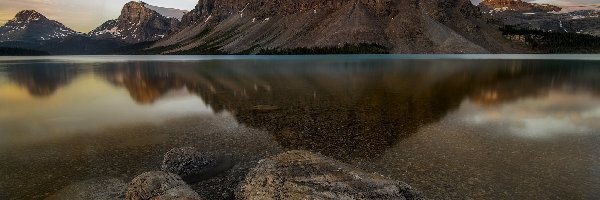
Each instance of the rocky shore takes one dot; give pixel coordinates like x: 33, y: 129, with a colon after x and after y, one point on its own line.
x: 187, y: 172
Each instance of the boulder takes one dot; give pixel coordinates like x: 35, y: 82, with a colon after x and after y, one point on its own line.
x: 193, y: 165
x: 159, y: 185
x: 305, y: 175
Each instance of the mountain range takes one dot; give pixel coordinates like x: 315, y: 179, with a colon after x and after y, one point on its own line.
x: 298, y: 27
x: 543, y: 17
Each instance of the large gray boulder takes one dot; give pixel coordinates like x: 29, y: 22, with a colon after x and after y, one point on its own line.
x: 305, y: 175
x: 160, y: 185
x: 193, y: 165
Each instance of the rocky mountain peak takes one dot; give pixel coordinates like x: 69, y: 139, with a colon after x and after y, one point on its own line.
x: 135, y: 11
x: 29, y: 15
x: 137, y: 23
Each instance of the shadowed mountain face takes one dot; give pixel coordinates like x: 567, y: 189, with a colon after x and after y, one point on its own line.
x: 339, y: 108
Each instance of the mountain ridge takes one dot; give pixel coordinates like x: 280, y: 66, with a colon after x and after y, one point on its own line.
x: 311, y: 26
x: 401, y: 26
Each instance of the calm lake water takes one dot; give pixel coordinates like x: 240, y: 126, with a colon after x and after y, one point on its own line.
x: 455, y: 127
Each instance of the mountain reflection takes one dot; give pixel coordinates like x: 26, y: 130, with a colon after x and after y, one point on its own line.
x: 146, y: 82
x: 361, y: 109
x: 341, y: 109
x: 43, y: 79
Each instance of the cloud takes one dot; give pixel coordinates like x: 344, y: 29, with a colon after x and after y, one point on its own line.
x: 559, y: 113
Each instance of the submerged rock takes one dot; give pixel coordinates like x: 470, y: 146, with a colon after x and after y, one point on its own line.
x: 159, y: 185
x: 305, y: 175
x: 100, y: 188
x: 193, y: 165
x: 265, y: 108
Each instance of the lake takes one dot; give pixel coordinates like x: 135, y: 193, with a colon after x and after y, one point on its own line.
x: 453, y: 126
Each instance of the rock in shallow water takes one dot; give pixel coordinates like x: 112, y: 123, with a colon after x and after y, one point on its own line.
x: 100, y: 188
x: 193, y: 165
x: 305, y: 175
x: 159, y: 185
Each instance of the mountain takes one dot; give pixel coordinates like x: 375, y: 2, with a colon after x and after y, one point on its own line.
x: 491, y: 6
x: 542, y: 29
x: 29, y: 25
x: 529, y: 16
x: 314, y: 27
x: 137, y: 23
x: 396, y: 26
x: 32, y: 33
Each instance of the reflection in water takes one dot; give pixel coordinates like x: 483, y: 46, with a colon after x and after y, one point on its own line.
x: 363, y: 108
x: 88, y: 104
x: 436, y: 116
x: 145, y: 82
x: 42, y: 80
x: 352, y: 109
x: 556, y: 113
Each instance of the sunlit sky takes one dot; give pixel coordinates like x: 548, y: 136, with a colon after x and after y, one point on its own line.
x: 85, y: 15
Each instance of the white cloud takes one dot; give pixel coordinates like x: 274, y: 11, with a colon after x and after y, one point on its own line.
x: 557, y: 114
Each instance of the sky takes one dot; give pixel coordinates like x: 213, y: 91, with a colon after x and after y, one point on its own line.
x: 85, y: 15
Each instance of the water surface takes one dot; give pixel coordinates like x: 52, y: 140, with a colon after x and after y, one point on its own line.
x: 453, y: 126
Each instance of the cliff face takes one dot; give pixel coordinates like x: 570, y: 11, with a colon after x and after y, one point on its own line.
x: 401, y: 26
x: 137, y: 23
